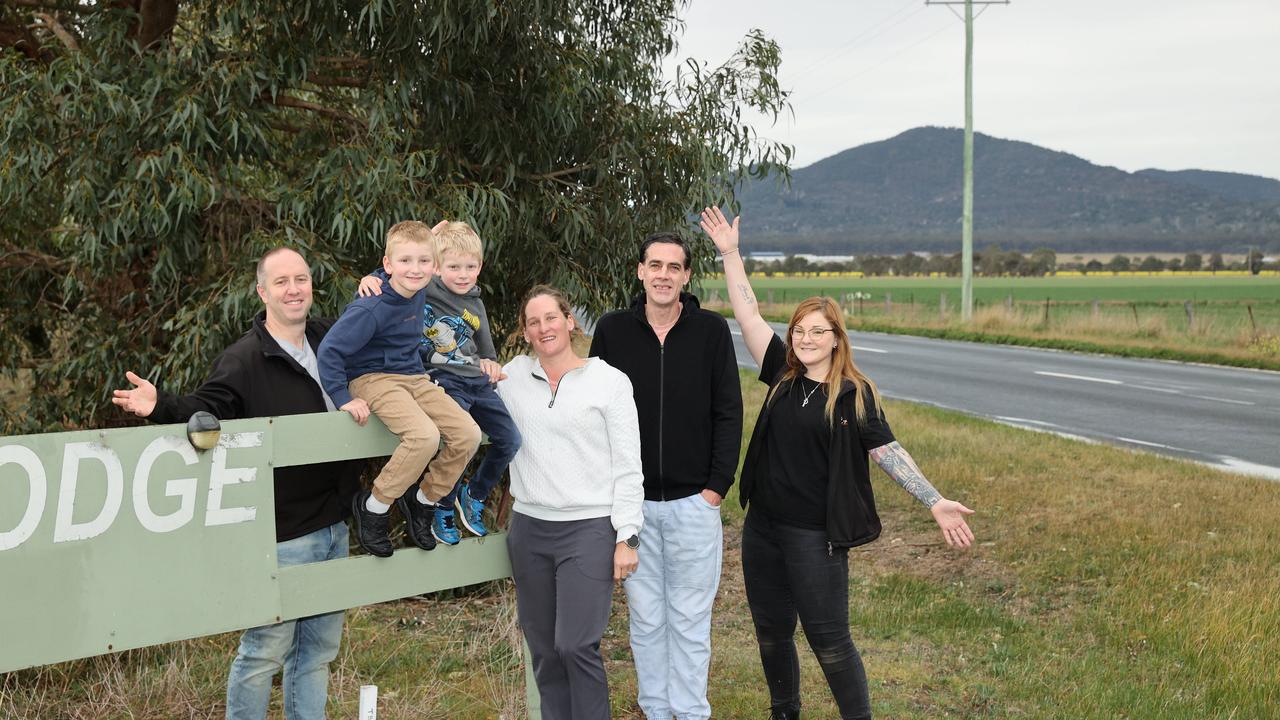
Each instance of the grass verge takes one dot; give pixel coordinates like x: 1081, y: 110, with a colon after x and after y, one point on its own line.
x: 1105, y: 584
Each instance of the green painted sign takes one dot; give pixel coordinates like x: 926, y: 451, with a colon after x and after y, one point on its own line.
x: 119, y: 539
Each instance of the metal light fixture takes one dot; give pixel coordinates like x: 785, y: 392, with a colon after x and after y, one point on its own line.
x: 203, y: 430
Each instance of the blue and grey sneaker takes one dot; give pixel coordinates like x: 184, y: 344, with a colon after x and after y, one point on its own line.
x: 470, y: 513
x: 442, y: 527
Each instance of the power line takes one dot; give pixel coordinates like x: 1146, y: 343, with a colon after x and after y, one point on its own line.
x: 883, y: 61
x: 870, y: 33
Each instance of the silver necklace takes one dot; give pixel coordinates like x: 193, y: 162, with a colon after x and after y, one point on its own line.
x: 809, y: 394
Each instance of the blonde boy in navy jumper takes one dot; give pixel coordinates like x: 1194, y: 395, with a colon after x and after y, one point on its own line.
x: 457, y: 348
x: 369, y: 361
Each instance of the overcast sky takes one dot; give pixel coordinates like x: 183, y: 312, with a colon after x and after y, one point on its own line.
x: 1170, y: 84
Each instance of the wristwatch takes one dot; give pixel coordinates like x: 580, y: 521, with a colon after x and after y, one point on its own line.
x: 633, y: 542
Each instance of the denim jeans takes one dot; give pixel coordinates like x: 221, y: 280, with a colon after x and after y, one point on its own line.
x: 303, y: 648
x: 670, y: 597
x: 791, y: 572
x: 477, y: 396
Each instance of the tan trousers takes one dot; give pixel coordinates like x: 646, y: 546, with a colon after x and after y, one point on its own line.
x: 421, y: 413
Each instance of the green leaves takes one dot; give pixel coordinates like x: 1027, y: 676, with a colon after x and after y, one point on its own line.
x: 140, y: 188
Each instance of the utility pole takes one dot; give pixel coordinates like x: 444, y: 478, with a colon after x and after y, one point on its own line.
x: 966, y: 222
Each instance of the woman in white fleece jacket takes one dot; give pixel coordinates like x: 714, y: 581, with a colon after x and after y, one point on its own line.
x: 578, y: 492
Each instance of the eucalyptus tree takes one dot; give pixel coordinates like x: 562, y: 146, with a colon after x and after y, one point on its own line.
x: 153, y: 149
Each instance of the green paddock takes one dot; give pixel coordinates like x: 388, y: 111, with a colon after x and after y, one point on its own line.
x: 1260, y: 289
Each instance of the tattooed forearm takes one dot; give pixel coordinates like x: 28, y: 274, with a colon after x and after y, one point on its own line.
x: 747, y: 295
x: 897, y: 463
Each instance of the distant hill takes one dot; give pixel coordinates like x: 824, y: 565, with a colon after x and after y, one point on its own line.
x: 904, y: 193
x: 1232, y: 186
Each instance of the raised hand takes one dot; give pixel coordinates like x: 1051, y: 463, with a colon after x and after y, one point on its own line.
x: 723, y: 233
x: 949, y: 515
x: 141, y: 400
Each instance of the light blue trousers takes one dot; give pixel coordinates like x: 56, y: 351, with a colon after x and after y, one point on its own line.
x: 670, y: 597
x: 302, y: 648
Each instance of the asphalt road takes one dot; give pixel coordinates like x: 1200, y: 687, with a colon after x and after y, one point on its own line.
x: 1225, y: 417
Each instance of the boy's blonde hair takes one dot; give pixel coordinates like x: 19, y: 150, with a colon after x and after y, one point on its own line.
x: 460, y: 238
x: 411, y: 231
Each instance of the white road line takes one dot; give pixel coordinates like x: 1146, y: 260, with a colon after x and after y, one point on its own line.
x: 1154, y: 444
x: 1086, y: 378
x: 1156, y: 389
x: 1247, y: 468
x: 1222, y: 400
x: 1025, y: 421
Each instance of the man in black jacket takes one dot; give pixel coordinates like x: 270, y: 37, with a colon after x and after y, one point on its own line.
x: 681, y: 363
x: 272, y: 371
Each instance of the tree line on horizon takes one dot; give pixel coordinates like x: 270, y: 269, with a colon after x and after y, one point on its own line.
x: 994, y: 262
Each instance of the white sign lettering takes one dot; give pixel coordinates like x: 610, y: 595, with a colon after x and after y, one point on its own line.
x: 71, y: 495
x: 29, y: 461
x: 221, y: 476
x: 184, y: 488
x: 64, y: 528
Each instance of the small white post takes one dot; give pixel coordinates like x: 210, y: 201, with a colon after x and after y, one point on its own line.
x: 368, y: 702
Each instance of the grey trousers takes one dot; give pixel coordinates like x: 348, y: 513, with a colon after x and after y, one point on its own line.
x: 564, y: 586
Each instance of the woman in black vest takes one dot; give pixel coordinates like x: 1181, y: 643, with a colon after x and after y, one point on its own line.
x: 807, y: 479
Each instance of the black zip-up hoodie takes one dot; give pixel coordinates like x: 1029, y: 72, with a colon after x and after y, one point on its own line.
x: 688, y: 397
x: 851, y: 505
x: 255, y: 377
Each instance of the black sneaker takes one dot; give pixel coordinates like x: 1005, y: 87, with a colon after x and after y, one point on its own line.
x: 372, y: 529
x: 417, y: 519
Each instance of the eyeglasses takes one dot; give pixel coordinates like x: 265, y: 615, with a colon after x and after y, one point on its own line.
x: 816, y: 333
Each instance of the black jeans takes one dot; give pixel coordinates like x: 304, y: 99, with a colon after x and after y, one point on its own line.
x: 790, y: 572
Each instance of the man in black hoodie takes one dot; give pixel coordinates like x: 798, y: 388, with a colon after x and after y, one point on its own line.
x: 272, y: 371
x: 680, y: 360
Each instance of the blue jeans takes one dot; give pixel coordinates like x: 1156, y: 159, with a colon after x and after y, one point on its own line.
x: 790, y: 572
x: 477, y: 396
x: 303, y: 648
x: 670, y: 597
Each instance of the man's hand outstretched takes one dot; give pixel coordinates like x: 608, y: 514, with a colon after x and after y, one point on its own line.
x: 723, y: 233
x: 141, y: 400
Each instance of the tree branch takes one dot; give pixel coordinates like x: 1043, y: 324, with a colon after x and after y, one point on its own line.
x: 344, y: 62
x: 60, y: 32
x: 330, y: 81
x: 18, y: 37
x: 289, y: 101
x: 15, y: 257
x: 560, y: 173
